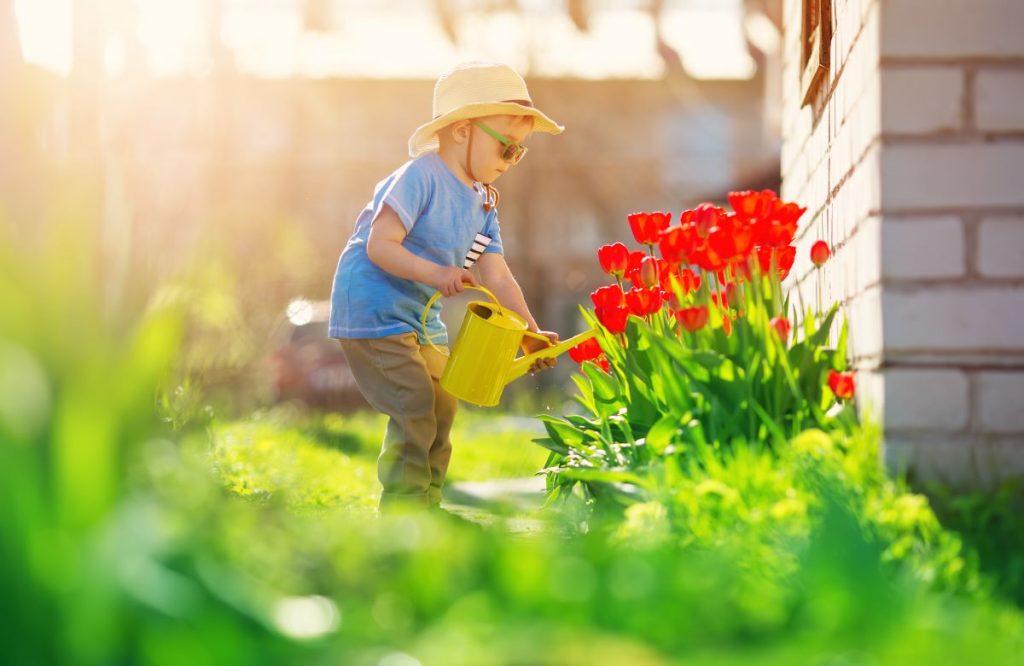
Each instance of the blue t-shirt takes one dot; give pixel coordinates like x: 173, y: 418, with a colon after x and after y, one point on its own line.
x: 443, y: 218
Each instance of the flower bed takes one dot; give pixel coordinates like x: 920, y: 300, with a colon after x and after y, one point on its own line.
x: 710, y: 415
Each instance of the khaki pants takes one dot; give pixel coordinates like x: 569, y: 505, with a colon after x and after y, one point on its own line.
x: 400, y: 378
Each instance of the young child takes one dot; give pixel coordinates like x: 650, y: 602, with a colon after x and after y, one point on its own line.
x: 427, y: 224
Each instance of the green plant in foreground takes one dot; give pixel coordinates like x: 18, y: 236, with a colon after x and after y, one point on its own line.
x: 121, y: 544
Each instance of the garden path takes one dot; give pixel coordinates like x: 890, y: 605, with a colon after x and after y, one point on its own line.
x: 512, y: 503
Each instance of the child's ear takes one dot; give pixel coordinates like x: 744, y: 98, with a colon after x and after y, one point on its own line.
x: 460, y: 130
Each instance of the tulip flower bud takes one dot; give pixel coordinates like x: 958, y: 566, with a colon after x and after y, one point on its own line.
x: 842, y: 384
x: 820, y: 253
x: 782, y: 327
x: 692, y: 319
x: 649, y: 272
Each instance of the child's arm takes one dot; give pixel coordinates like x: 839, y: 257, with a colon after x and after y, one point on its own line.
x: 384, y: 248
x: 497, y: 276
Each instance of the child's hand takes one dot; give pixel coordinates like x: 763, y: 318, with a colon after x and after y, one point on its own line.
x: 531, y: 345
x: 449, y: 280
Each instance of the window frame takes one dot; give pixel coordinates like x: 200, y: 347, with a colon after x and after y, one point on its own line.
x: 815, y: 42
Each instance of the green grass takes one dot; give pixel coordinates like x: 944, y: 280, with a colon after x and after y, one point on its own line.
x: 488, y: 445
x: 264, y: 460
x: 316, y: 460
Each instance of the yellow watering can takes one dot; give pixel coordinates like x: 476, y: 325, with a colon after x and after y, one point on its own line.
x: 483, y: 359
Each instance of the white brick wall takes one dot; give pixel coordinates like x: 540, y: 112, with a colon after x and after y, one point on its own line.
x: 922, y: 247
x: 1001, y: 401
x: 865, y: 342
x: 933, y: 176
x: 952, y: 28
x: 1001, y: 247
x: 983, y: 320
x: 999, y: 99
x: 947, y: 458
x: 922, y: 100
x: 912, y: 172
x: 926, y: 400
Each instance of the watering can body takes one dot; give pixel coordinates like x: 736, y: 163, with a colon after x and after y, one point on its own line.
x: 484, y: 358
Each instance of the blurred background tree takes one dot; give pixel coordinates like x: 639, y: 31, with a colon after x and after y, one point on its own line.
x: 231, y: 144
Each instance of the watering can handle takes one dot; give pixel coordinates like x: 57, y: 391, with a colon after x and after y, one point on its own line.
x: 426, y: 309
x: 522, y: 364
x: 538, y: 336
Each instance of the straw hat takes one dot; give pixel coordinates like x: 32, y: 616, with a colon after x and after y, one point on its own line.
x: 476, y: 89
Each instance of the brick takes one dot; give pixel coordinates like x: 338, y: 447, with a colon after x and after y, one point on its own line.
x: 952, y: 176
x: 922, y: 100
x: 999, y: 100
x: 840, y: 158
x: 922, y: 247
x: 961, y: 460
x: 1005, y: 455
x: 1001, y: 247
x: 981, y: 320
x: 868, y: 245
x: 1000, y: 397
x: 864, y: 315
x: 870, y: 392
x: 952, y: 28
x: 865, y: 119
x: 862, y: 67
x: 926, y: 400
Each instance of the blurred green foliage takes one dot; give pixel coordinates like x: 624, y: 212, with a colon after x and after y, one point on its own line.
x: 138, y: 528
x: 992, y: 523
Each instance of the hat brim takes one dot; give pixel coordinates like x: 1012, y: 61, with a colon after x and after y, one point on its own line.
x: 425, y: 136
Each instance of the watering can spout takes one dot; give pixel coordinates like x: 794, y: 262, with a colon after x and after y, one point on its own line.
x: 522, y: 364
x: 483, y: 359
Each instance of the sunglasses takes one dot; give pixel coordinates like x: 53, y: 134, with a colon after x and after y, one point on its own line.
x: 513, y: 152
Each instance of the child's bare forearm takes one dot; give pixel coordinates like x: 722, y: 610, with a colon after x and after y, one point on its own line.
x: 392, y: 257
x: 510, y: 295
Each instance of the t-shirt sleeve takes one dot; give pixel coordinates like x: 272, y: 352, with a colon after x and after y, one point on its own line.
x: 408, y: 194
x: 493, y: 229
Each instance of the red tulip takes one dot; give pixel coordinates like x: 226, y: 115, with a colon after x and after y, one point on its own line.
x: 648, y: 275
x: 613, y: 318
x: 774, y: 232
x: 608, y: 297
x: 614, y: 259
x: 604, y: 365
x: 677, y: 243
x: 708, y: 259
x: 741, y: 269
x: 731, y: 238
x: 705, y: 217
x: 842, y: 384
x: 733, y: 295
x: 643, y: 301
x: 784, y: 258
x: 587, y: 350
x: 820, y: 252
x: 648, y: 226
x: 687, y: 280
x: 666, y: 272
x: 788, y: 214
x: 753, y: 205
x: 727, y: 324
x: 782, y: 327
x: 692, y: 319
x: 635, y: 259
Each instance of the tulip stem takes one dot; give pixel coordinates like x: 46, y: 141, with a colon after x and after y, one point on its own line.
x: 817, y: 284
